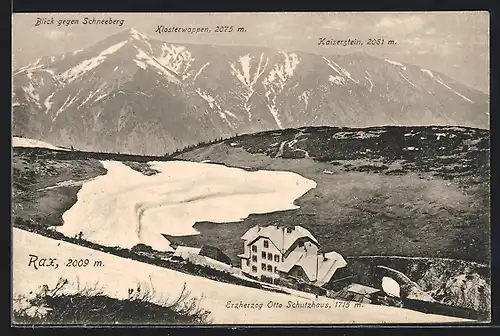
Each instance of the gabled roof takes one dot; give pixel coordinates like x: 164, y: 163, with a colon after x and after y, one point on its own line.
x: 362, y: 289
x: 279, y: 236
x: 318, y: 269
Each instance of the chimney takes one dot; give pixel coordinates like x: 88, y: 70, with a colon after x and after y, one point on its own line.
x: 258, y: 228
x: 324, y: 257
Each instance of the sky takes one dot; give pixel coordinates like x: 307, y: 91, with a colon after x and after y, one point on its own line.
x: 454, y: 43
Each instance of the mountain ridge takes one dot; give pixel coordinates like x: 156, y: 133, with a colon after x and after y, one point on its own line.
x: 129, y: 92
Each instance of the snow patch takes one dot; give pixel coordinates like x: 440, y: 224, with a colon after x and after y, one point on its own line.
x: 208, y: 98
x: 31, y: 93
x: 276, y: 81
x: 25, y: 142
x: 89, y: 64
x: 440, y: 81
x: 143, y: 59
x: 244, y: 73
x: 125, y: 207
x: 137, y: 35
x: 355, y: 135
x: 406, y: 79
x: 395, y: 63
x: 339, y: 80
x: 439, y: 135
x: 304, y: 97
x: 47, y: 103
x: 338, y: 69
x: 369, y: 79
x: 199, y: 71
x: 176, y: 59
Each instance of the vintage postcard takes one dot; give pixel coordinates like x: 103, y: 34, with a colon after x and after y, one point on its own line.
x: 251, y: 168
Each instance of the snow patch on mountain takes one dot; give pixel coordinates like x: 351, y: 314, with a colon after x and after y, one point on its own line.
x: 242, y: 70
x: 208, y: 98
x: 395, y: 63
x: 177, y: 59
x: 244, y: 74
x: 406, y: 79
x: 47, y: 103
x: 356, y: 135
x: 199, y: 71
x: 230, y: 114
x: 304, y: 97
x: 143, y: 60
x: 339, y: 80
x: 369, y: 79
x: 440, y: 81
x: 89, y: 64
x: 92, y: 94
x: 338, y: 69
x: 277, y: 79
x: 25, y: 142
x: 31, y: 93
x: 137, y: 35
x: 224, y: 115
x: 60, y: 109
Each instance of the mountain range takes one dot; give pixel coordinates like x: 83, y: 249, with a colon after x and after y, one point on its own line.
x: 130, y: 93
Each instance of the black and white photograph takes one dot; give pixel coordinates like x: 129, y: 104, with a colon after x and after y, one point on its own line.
x: 266, y: 168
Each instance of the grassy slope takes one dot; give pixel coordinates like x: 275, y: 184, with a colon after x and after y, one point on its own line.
x: 82, y: 309
x: 378, y: 198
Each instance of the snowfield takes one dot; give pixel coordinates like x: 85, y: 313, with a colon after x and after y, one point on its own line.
x: 125, y: 207
x: 117, y: 275
x: 25, y: 142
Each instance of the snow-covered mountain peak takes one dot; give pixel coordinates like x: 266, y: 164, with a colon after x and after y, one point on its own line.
x: 74, y: 98
x: 137, y: 35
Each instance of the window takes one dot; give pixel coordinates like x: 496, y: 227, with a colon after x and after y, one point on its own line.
x: 248, y: 262
x: 270, y: 256
x: 275, y: 269
x: 263, y: 266
x: 269, y: 268
x: 266, y: 243
x: 254, y: 269
x: 276, y: 258
x: 264, y: 255
x: 254, y: 248
x: 254, y: 258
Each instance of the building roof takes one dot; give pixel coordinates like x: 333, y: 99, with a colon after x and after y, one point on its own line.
x: 318, y: 269
x: 362, y: 289
x: 279, y: 236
